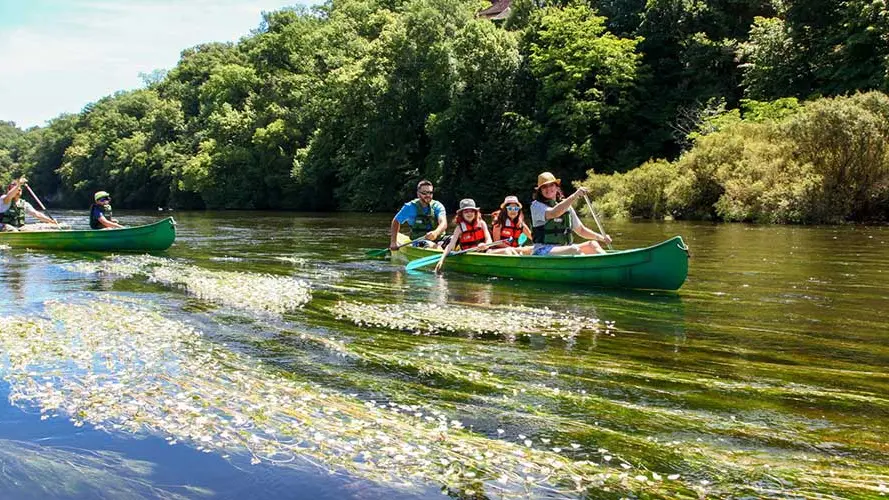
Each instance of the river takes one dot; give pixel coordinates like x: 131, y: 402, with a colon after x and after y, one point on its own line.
x: 264, y: 356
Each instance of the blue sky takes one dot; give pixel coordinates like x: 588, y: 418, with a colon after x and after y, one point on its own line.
x: 56, y: 56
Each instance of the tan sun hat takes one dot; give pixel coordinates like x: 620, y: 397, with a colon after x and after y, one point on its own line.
x: 510, y: 199
x: 547, y: 178
x: 467, y: 204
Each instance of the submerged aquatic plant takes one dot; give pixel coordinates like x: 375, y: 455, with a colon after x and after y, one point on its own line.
x: 145, y: 373
x: 508, y: 322
x: 258, y: 293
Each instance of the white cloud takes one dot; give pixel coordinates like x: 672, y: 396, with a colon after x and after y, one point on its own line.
x: 94, y: 48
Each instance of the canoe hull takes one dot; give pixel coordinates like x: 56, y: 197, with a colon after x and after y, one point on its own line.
x: 663, y: 266
x: 149, y: 238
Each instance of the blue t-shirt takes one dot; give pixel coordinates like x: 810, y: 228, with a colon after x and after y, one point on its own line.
x: 95, y: 213
x: 408, y: 212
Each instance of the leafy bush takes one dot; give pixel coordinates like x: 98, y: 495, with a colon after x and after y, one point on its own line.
x: 638, y: 193
x: 825, y: 161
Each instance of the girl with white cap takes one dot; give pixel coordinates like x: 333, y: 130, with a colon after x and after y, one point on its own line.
x: 509, y: 222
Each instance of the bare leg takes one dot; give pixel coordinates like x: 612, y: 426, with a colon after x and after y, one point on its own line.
x: 587, y: 248
x: 590, y: 248
x: 564, y: 250
x: 505, y: 251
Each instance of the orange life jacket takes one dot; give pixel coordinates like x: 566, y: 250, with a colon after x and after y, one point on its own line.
x: 471, y: 236
x: 510, y: 230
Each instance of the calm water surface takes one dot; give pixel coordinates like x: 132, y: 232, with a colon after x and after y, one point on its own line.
x: 321, y: 374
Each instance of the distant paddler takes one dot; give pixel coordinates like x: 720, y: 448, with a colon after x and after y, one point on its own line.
x: 100, y: 213
x: 555, y: 223
x: 426, y: 217
x: 14, y: 209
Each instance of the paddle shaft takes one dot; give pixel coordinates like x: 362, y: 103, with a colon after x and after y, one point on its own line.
x: 485, y: 245
x: 42, y: 206
x: 589, y: 205
x: 425, y: 261
x: 385, y: 250
x: 421, y: 238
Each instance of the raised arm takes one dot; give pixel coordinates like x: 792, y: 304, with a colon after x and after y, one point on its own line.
x: 564, y: 205
x: 14, y: 191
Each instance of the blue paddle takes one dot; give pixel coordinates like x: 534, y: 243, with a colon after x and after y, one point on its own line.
x: 425, y: 261
x: 522, y: 239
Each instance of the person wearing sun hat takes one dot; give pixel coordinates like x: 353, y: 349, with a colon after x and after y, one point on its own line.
x: 471, y: 232
x: 13, y: 208
x: 100, y: 212
x: 509, y: 223
x: 555, y: 222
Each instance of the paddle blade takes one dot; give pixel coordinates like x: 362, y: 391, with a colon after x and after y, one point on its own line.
x: 522, y: 239
x: 377, y: 253
x: 425, y: 261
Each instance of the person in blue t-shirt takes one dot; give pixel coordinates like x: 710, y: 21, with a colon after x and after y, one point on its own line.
x: 100, y: 213
x: 425, y: 216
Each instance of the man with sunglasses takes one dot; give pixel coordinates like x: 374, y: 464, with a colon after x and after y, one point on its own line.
x: 426, y: 217
x: 100, y: 212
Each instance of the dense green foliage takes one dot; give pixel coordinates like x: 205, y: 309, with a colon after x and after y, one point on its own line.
x: 12, y: 143
x: 825, y: 161
x: 347, y: 105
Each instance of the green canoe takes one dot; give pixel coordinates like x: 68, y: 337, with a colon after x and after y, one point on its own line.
x: 150, y: 238
x: 659, y: 267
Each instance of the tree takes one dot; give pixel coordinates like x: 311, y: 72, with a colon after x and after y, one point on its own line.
x: 584, y: 76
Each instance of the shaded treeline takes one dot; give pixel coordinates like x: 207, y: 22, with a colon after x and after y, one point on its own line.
x: 347, y: 105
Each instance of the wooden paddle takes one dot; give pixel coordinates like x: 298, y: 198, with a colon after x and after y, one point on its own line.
x: 384, y: 251
x: 425, y: 261
x: 589, y: 205
x: 40, y: 203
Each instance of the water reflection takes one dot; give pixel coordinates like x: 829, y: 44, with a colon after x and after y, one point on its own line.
x: 12, y: 279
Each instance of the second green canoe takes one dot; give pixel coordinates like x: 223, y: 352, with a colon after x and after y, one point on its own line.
x: 663, y: 266
x: 149, y: 238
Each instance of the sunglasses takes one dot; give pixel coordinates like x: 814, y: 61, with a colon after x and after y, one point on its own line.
x: 425, y: 193
x: 513, y: 208
x: 104, y: 199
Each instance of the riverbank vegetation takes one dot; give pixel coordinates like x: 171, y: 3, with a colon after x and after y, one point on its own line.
x: 824, y: 161
x: 730, y: 108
